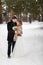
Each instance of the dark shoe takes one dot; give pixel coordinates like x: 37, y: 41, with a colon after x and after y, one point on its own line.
x: 9, y: 56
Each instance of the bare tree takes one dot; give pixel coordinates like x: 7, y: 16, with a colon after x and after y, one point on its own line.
x: 0, y: 11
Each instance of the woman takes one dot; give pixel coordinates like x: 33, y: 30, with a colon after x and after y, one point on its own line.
x: 18, y: 28
x: 18, y: 49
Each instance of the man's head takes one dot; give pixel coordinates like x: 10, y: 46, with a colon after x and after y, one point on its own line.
x: 14, y: 19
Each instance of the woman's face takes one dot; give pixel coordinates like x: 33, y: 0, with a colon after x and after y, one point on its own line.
x: 18, y: 23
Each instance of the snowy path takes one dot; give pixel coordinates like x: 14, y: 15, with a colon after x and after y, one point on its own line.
x: 28, y: 49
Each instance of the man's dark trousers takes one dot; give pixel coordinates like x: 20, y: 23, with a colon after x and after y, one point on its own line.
x: 9, y: 46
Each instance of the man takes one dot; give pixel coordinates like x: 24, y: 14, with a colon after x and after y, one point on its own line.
x: 11, y: 33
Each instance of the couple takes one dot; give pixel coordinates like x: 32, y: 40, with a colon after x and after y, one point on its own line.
x: 12, y: 33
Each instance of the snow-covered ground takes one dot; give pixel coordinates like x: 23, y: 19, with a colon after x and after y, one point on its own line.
x: 28, y: 49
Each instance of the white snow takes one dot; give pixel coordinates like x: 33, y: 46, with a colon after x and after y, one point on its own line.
x: 28, y: 49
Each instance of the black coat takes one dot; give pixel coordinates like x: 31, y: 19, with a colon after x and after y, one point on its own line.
x: 10, y: 30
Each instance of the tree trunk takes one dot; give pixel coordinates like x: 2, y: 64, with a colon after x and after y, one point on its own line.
x: 0, y: 12
x: 42, y: 14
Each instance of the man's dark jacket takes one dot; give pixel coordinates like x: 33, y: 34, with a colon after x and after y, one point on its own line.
x: 11, y: 32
